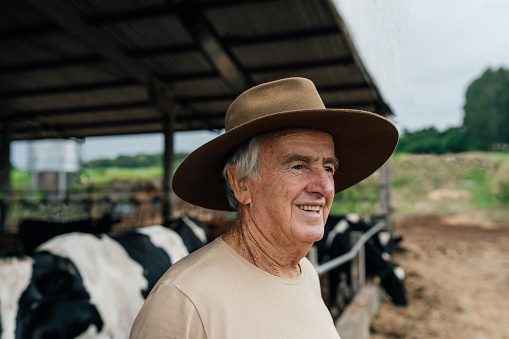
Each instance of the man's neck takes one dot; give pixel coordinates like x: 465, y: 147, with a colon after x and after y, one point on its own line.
x: 247, y: 240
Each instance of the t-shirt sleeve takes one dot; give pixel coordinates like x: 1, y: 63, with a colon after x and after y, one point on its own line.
x: 168, y: 313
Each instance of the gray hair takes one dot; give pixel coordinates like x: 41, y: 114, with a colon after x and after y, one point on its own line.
x: 246, y: 162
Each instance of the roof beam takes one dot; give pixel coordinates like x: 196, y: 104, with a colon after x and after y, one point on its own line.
x: 346, y: 61
x: 53, y: 64
x: 211, y: 46
x: 296, y: 35
x: 88, y: 60
x: 64, y: 90
x: 41, y: 28
x: 99, y: 109
x: 231, y: 97
x: 103, y: 85
x: 180, y: 125
x: 68, y: 111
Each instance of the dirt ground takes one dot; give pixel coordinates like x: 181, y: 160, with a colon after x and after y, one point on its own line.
x: 457, y: 268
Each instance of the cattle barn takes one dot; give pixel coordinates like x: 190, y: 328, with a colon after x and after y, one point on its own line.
x: 73, y: 69
x: 82, y: 68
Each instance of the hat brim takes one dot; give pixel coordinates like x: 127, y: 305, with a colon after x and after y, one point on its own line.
x: 363, y: 142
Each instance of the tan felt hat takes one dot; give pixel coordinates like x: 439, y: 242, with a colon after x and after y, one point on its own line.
x: 363, y: 140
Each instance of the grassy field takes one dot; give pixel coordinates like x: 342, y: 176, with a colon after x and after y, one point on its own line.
x: 104, y: 176
x: 450, y: 183
x: 420, y: 183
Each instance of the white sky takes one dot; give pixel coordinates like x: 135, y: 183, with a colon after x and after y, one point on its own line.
x: 421, y: 54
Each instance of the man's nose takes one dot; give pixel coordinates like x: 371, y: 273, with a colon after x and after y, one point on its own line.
x: 321, y: 182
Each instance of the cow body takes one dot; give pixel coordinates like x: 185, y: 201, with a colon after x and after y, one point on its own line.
x: 378, y: 260
x: 35, y: 232
x: 89, y: 285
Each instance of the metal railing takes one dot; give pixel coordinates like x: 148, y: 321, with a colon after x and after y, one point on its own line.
x: 359, y: 245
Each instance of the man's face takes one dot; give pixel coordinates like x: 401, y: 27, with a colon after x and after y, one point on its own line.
x: 292, y: 199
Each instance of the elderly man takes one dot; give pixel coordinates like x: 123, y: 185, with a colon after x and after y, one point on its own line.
x: 279, y: 163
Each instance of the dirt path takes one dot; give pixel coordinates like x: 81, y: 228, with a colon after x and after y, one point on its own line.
x: 457, y: 280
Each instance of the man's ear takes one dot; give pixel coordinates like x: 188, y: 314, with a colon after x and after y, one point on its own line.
x: 239, y: 186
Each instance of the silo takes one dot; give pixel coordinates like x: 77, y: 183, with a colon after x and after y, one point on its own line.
x: 53, y: 163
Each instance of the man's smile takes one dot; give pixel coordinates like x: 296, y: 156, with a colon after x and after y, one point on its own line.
x: 314, y: 208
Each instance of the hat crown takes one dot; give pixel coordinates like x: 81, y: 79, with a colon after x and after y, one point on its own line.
x: 292, y: 94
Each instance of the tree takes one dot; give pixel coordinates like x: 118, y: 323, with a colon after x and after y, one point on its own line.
x: 486, y: 118
x: 454, y: 140
x: 431, y: 141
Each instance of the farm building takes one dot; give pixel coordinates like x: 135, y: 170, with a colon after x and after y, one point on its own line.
x: 82, y: 68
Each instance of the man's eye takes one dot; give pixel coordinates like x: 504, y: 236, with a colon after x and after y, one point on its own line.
x: 297, y: 167
x: 329, y: 169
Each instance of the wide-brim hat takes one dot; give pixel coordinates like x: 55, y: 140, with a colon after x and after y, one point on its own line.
x: 363, y: 140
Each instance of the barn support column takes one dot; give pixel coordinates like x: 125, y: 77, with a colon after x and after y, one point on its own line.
x: 385, y: 194
x: 5, y: 175
x: 168, y: 199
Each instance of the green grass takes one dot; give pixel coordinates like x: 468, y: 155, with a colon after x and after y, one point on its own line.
x: 21, y: 180
x: 104, y: 176
x: 485, y: 176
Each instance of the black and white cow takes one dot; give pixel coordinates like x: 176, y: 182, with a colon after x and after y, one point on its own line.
x: 378, y: 259
x: 81, y: 285
x: 34, y: 232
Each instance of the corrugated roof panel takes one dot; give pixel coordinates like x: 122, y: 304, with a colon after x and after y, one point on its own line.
x: 76, y: 121
x: 321, y: 76
x: 346, y: 97
x: 323, y: 48
x: 147, y: 32
x: 202, y: 87
x: 175, y: 64
x: 102, y: 7
x: 213, y: 107
x: 44, y: 47
x: 55, y: 77
x: 110, y: 96
x: 16, y: 14
x: 269, y: 17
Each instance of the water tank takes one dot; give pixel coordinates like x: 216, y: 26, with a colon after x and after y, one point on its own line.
x: 53, y: 163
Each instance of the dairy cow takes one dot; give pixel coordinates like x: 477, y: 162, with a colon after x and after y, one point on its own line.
x: 378, y: 259
x: 80, y: 285
x: 34, y: 232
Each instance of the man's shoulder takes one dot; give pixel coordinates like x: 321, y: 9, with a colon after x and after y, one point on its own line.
x: 305, y: 264
x: 191, y: 265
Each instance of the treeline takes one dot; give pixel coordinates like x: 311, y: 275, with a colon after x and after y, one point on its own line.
x: 137, y: 161
x: 431, y: 141
x: 485, y: 123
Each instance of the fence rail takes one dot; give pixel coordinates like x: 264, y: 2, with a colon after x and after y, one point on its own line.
x: 342, y: 259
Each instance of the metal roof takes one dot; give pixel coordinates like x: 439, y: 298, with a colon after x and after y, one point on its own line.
x: 79, y: 68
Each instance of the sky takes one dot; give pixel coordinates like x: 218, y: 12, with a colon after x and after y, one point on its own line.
x: 421, y: 54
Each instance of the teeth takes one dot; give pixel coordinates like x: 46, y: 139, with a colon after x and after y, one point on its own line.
x: 309, y: 208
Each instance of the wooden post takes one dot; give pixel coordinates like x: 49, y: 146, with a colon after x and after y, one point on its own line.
x: 5, y: 175
x: 385, y: 194
x: 358, y: 264
x: 168, y: 200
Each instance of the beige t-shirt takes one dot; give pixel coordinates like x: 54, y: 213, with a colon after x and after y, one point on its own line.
x: 215, y: 293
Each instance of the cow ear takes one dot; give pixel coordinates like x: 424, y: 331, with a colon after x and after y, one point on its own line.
x: 55, y: 283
